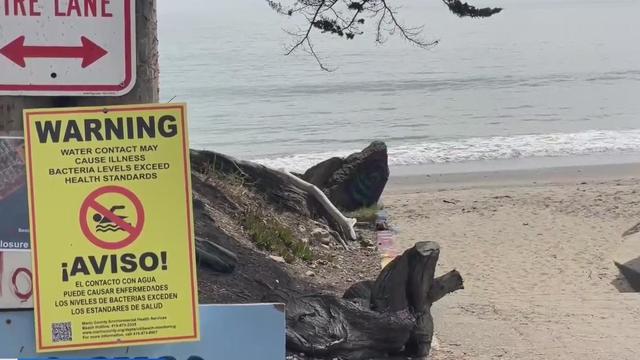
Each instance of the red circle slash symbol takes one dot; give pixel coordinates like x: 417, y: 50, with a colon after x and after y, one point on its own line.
x: 102, y: 212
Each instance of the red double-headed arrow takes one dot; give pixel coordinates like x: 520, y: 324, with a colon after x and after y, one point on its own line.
x: 17, y: 52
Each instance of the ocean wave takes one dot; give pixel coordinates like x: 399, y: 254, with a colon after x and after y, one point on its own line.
x: 484, y: 148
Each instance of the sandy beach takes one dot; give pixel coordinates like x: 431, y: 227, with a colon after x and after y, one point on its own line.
x: 535, y: 249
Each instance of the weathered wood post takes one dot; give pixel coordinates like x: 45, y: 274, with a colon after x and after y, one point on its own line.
x: 145, y: 90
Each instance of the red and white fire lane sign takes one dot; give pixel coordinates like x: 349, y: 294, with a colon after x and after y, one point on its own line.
x: 67, y: 47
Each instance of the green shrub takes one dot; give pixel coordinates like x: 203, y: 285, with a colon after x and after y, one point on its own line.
x: 270, y: 235
x: 366, y: 214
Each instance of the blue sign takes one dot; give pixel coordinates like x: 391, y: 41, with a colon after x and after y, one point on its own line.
x: 14, y: 222
x: 228, y: 332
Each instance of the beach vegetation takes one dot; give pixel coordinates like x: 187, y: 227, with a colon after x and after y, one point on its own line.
x: 366, y: 214
x: 270, y: 235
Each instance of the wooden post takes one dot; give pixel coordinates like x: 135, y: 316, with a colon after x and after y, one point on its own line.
x: 145, y: 90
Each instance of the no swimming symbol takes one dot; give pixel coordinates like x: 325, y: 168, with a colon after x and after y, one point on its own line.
x: 100, y: 217
x: 105, y: 224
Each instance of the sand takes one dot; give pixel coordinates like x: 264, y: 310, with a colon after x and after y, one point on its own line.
x: 535, y: 249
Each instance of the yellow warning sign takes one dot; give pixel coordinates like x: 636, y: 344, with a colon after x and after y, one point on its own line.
x: 111, y: 226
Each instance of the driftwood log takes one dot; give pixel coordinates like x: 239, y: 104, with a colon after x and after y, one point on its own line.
x: 386, y: 318
x: 389, y: 317
x: 213, y: 255
x: 345, y: 223
x: 281, y: 188
x: 216, y: 257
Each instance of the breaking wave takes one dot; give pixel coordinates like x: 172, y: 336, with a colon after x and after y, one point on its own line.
x: 485, y: 148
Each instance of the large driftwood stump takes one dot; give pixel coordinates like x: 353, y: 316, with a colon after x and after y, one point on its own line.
x: 386, y: 318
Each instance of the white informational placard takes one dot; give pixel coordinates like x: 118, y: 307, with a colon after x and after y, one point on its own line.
x: 67, y: 47
x: 16, y: 286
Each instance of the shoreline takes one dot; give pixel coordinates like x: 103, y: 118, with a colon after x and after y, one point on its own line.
x: 575, y: 174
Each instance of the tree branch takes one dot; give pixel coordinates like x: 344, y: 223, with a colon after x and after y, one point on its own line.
x: 410, y: 34
x: 466, y: 10
x: 306, y: 35
x: 344, y: 18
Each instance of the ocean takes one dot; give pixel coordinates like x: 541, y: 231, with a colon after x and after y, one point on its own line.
x: 541, y: 80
